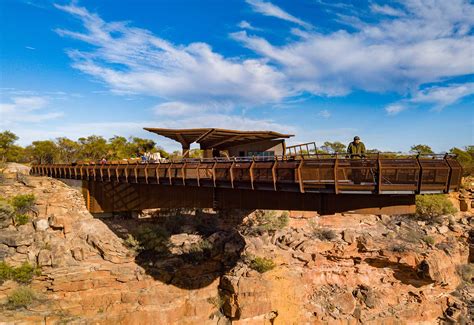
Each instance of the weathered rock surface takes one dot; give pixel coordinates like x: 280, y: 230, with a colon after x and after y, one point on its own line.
x: 367, y: 269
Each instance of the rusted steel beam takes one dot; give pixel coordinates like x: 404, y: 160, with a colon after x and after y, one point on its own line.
x: 114, y: 197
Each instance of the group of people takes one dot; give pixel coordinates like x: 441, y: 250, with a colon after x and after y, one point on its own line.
x: 147, y: 157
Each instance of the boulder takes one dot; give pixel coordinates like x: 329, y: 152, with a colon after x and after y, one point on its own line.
x: 44, y: 258
x: 14, y: 238
x: 41, y: 224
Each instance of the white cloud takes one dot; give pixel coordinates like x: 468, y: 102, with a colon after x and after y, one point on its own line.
x: 429, y: 43
x: 133, y: 60
x: 246, y: 25
x: 26, y: 109
x: 443, y: 96
x: 437, y: 96
x: 324, y: 113
x: 269, y: 9
x: 416, y: 44
x: 394, y: 109
x: 386, y: 10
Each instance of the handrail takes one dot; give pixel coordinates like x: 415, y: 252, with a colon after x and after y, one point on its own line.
x: 333, y: 173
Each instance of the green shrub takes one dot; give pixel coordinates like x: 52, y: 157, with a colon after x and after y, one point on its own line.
x: 398, y: 248
x: 23, y: 203
x: 21, y: 219
x: 21, y: 297
x: 429, y: 240
x: 201, y: 246
x: 216, y: 301
x: 261, y: 264
x: 22, y: 274
x: 267, y: 221
x: 466, y: 272
x: 153, y: 237
x: 411, y: 235
x: 5, y: 272
x: 324, y: 234
x: 433, y: 205
x: 6, y: 211
x: 132, y: 243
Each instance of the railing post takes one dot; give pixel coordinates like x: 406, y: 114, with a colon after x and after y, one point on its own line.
x: 231, y: 171
x: 336, y: 164
x: 126, y: 172
x: 274, y: 173
x: 450, y: 174
x: 135, y: 171
x: 300, y: 175
x: 157, y: 172
x: 146, y: 173
x: 214, y: 172
x: 108, y: 173
x: 183, y: 172
x: 198, y: 172
x: 251, y: 172
x: 169, y: 173
x: 379, y: 174
x: 420, y: 175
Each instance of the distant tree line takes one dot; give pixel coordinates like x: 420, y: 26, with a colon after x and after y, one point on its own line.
x: 64, y: 150
x: 94, y: 148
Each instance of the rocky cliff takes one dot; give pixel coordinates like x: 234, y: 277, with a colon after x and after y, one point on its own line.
x: 239, y: 267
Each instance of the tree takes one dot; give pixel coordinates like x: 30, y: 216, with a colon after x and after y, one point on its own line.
x: 68, y: 150
x: 43, y: 152
x: 465, y: 159
x: 93, y: 147
x: 119, y: 148
x: 421, y: 149
x: 7, y: 143
x: 333, y: 147
x: 162, y: 152
x: 141, y: 146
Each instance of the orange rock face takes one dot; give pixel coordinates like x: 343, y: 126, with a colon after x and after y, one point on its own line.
x: 339, y: 269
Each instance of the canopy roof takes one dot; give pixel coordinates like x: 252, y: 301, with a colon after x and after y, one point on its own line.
x: 211, y: 138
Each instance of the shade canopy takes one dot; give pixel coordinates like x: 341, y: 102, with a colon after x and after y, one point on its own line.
x: 211, y: 138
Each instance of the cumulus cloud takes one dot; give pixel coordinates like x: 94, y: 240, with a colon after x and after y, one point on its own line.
x: 443, y: 96
x: 406, y: 47
x: 269, y: 9
x: 26, y: 109
x: 133, y: 60
x: 437, y: 96
x: 428, y: 43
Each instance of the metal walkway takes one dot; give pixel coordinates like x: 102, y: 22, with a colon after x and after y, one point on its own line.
x: 328, y: 174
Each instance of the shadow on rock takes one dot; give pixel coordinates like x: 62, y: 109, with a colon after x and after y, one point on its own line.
x: 406, y: 274
x: 187, y: 249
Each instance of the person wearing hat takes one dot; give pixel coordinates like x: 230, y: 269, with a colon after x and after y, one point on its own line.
x: 356, y: 149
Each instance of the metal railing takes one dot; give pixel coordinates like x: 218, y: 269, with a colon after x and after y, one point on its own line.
x: 321, y: 173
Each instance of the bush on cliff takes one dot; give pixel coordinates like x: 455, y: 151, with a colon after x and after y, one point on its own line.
x: 153, y: 237
x: 433, y: 205
x: 22, y: 274
x: 266, y: 221
x: 6, y: 213
x: 21, y: 297
x: 261, y: 264
x: 22, y: 219
x: 23, y: 203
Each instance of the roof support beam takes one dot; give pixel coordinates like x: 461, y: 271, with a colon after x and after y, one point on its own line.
x: 205, y: 135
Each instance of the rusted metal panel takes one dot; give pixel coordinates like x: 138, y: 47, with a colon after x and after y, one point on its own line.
x: 314, y: 183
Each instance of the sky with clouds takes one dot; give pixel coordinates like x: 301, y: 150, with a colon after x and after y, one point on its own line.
x: 396, y: 73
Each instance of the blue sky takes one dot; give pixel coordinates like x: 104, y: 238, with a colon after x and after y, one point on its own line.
x: 395, y: 73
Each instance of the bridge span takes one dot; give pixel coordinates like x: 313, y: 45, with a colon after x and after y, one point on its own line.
x: 323, y: 183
